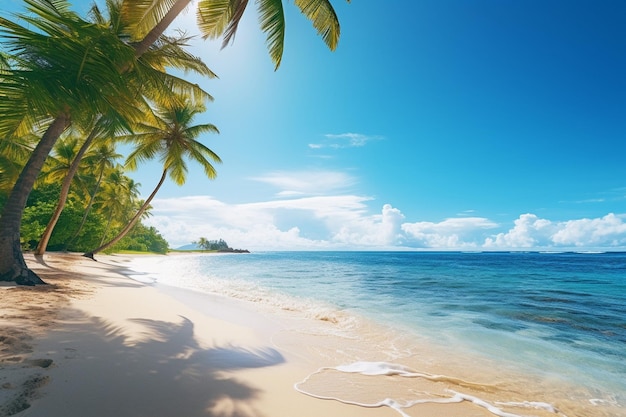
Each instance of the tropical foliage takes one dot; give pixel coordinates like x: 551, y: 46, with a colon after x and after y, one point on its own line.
x: 221, y: 18
x: 75, y: 234
x: 171, y: 138
x: 205, y: 244
x: 70, y: 84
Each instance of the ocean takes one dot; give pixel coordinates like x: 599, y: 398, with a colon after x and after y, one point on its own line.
x: 557, y: 320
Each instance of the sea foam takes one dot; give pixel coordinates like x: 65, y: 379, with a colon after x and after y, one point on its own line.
x: 386, y: 369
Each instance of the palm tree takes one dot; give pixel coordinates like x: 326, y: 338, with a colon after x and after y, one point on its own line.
x: 67, y: 71
x: 220, y: 18
x: 119, y: 194
x: 60, y: 160
x: 100, y: 159
x: 172, y: 140
x: 203, y: 243
x: 151, y: 68
x: 66, y: 182
x: 61, y: 70
x: 62, y: 167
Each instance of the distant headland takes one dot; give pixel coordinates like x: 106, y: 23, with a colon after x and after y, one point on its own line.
x: 205, y: 245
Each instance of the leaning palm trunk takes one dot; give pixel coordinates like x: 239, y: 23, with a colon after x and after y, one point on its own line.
x: 132, y: 221
x: 12, y: 264
x: 65, y: 191
x: 92, y: 198
x: 107, y: 227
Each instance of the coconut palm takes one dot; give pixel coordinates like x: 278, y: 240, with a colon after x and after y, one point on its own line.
x: 173, y: 139
x: 61, y: 168
x: 203, y: 243
x: 99, y: 160
x: 66, y: 181
x: 167, y: 51
x: 61, y: 70
x: 60, y: 160
x: 65, y: 71
x: 119, y: 194
x: 220, y: 18
x: 57, y: 76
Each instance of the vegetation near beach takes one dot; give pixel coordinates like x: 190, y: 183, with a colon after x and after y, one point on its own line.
x: 215, y: 246
x: 73, y: 88
x: 100, y: 224
x: 205, y: 244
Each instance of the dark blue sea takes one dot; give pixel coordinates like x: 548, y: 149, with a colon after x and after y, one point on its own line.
x: 555, y: 315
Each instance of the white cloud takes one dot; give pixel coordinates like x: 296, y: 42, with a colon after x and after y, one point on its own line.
x: 530, y: 231
x: 344, y: 140
x: 452, y: 233
x: 252, y: 225
x: 380, y: 230
x: 345, y: 222
x: 608, y: 230
x: 307, y: 182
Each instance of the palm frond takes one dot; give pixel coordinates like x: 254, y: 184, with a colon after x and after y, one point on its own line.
x: 143, y: 154
x: 238, y: 7
x: 13, y: 155
x: 143, y: 15
x: 65, y: 63
x: 322, y: 14
x: 169, y: 52
x: 213, y: 17
x: 272, y: 20
x: 198, y: 130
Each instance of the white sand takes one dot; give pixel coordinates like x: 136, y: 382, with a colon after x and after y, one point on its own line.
x: 96, y: 343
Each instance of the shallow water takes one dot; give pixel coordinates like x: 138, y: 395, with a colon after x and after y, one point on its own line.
x: 553, y: 324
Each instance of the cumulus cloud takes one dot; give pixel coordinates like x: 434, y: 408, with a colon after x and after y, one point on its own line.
x: 530, y: 231
x: 254, y: 225
x: 379, y: 230
x: 347, y: 222
x: 452, y: 233
x: 608, y: 230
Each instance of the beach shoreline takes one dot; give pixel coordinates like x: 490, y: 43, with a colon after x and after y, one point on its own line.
x: 95, y: 342
x: 95, y: 339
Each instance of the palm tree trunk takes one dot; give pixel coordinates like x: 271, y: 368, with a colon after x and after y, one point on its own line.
x: 12, y: 264
x: 160, y: 27
x: 132, y: 221
x: 92, y: 198
x: 107, y: 227
x: 65, y: 191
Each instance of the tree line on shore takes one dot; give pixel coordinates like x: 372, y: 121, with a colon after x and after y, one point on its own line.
x: 73, y: 89
x: 216, y: 245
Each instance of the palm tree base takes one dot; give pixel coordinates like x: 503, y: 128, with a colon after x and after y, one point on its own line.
x: 90, y: 256
x: 18, y: 272
x: 29, y: 278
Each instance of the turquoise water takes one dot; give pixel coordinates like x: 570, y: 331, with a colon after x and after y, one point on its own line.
x: 559, y: 313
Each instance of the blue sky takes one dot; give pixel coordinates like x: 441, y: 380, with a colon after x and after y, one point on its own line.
x: 436, y: 124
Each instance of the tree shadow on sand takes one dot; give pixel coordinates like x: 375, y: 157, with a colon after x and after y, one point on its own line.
x: 101, y: 372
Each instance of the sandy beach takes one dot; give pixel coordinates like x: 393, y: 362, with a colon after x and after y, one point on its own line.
x: 97, y: 343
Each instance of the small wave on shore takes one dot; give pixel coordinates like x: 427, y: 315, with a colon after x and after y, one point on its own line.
x: 390, y: 391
